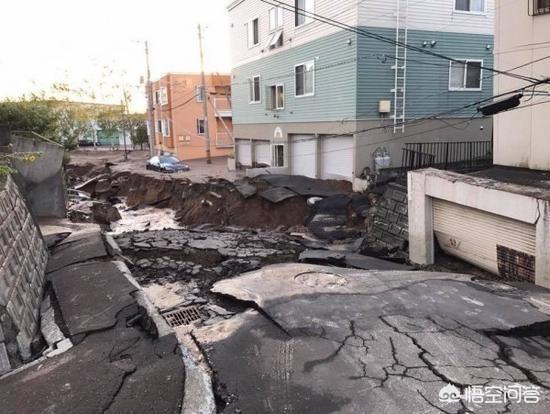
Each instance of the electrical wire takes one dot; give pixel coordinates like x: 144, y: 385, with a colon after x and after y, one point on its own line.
x: 368, y: 34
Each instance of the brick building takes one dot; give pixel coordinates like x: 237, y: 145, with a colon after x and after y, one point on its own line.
x: 178, y: 115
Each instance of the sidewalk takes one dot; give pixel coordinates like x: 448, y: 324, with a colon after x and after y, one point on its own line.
x: 118, y: 361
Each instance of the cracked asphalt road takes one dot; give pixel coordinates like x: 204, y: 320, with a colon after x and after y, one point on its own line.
x: 324, y: 339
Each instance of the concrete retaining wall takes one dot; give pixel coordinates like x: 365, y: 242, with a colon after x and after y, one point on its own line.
x: 42, y: 181
x: 23, y: 258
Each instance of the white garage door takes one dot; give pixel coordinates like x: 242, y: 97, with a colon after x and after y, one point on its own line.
x: 498, y: 244
x: 262, y: 152
x: 303, y: 155
x: 337, y: 158
x: 244, y: 152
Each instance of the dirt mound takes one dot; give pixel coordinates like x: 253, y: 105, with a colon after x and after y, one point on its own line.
x: 217, y: 201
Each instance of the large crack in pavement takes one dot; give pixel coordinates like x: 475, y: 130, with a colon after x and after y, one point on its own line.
x: 422, y: 335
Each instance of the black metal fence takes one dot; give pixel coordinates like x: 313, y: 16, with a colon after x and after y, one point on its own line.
x: 456, y: 156
x: 538, y: 7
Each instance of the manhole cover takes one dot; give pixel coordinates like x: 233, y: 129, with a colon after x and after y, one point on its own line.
x: 321, y: 279
x: 182, y: 316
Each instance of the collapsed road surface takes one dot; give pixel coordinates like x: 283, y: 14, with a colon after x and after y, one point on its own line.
x: 325, y: 339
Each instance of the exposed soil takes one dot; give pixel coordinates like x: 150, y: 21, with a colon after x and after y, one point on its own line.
x: 214, y: 202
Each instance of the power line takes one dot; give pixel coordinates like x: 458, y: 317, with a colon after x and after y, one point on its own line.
x: 421, y: 119
x: 180, y: 105
x: 384, y: 39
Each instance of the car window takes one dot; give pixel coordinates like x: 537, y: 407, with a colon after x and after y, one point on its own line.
x: 169, y: 160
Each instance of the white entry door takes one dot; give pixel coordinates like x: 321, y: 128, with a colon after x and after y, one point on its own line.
x: 303, y: 155
x: 244, y: 152
x: 337, y: 158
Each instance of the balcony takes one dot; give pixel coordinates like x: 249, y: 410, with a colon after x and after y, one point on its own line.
x: 224, y: 140
x: 223, y: 107
x: 539, y: 7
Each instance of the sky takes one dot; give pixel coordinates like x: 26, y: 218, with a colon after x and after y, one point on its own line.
x: 97, y: 46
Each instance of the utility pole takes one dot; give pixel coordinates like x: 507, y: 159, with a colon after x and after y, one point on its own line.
x: 124, y: 104
x: 205, y: 103
x: 150, y: 120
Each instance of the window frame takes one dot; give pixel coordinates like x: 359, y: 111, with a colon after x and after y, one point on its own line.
x: 275, y: 40
x: 535, y: 9
x: 297, y: 14
x: 248, y: 31
x: 312, y: 93
x: 251, y: 91
x: 163, y: 95
x: 165, y: 127
x: 278, y: 18
x: 464, y: 88
x: 274, y: 104
x: 199, y: 121
x: 483, y: 12
x: 274, y: 155
x: 199, y: 97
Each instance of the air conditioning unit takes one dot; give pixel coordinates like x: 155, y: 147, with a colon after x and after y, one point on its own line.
x: 384, y: 107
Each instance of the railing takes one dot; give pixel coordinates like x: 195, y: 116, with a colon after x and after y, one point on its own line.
x: 222, y: 104
x: 456, y: 156
x: 224, y: 140
x: 539, y: 7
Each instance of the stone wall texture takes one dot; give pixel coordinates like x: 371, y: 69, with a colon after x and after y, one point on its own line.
x: 23, y: 258
x: 391, y: 221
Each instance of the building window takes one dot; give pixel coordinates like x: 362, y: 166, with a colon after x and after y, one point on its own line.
x: 159, y: 126
x: 275, y: 18
x: 278, y: 155
x: 540, y: 7
x: 255, y: 96
x: 253, y: 30
x: 165, y: 128
x: 276, y: 97
x: 305, y: 79
x: 163, y: 96
x: 275, y: 40
x: 300, y: 7
x: 200, y: 127
x: 465, y: 75
x: 199, y: 93
x: 473, y: 6
x: 157, y: 97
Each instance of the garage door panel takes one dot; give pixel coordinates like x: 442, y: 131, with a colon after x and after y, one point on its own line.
x: 337, y: 158
x: 303, y: 155
x: 262, y: 153
x: 244, y: 152
x: 500, y: 245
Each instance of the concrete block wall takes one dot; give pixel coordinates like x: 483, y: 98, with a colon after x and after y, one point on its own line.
x: 23, y: 258
x: 391, y: 221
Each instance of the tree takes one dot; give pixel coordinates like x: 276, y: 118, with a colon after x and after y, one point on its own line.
x: 73, y: 123
x: 32, y: 115
x: 136, y: 125
x: 141, y: 136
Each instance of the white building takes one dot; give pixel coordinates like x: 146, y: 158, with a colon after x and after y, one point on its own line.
x: 499, y: 219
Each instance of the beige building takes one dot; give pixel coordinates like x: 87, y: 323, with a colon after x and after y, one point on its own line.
x: 179, y: 117
x: 499, y: 219
x: 522, y: 137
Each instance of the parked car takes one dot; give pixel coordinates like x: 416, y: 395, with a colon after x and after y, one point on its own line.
x: 88, y: 143
x: 166, y: 163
